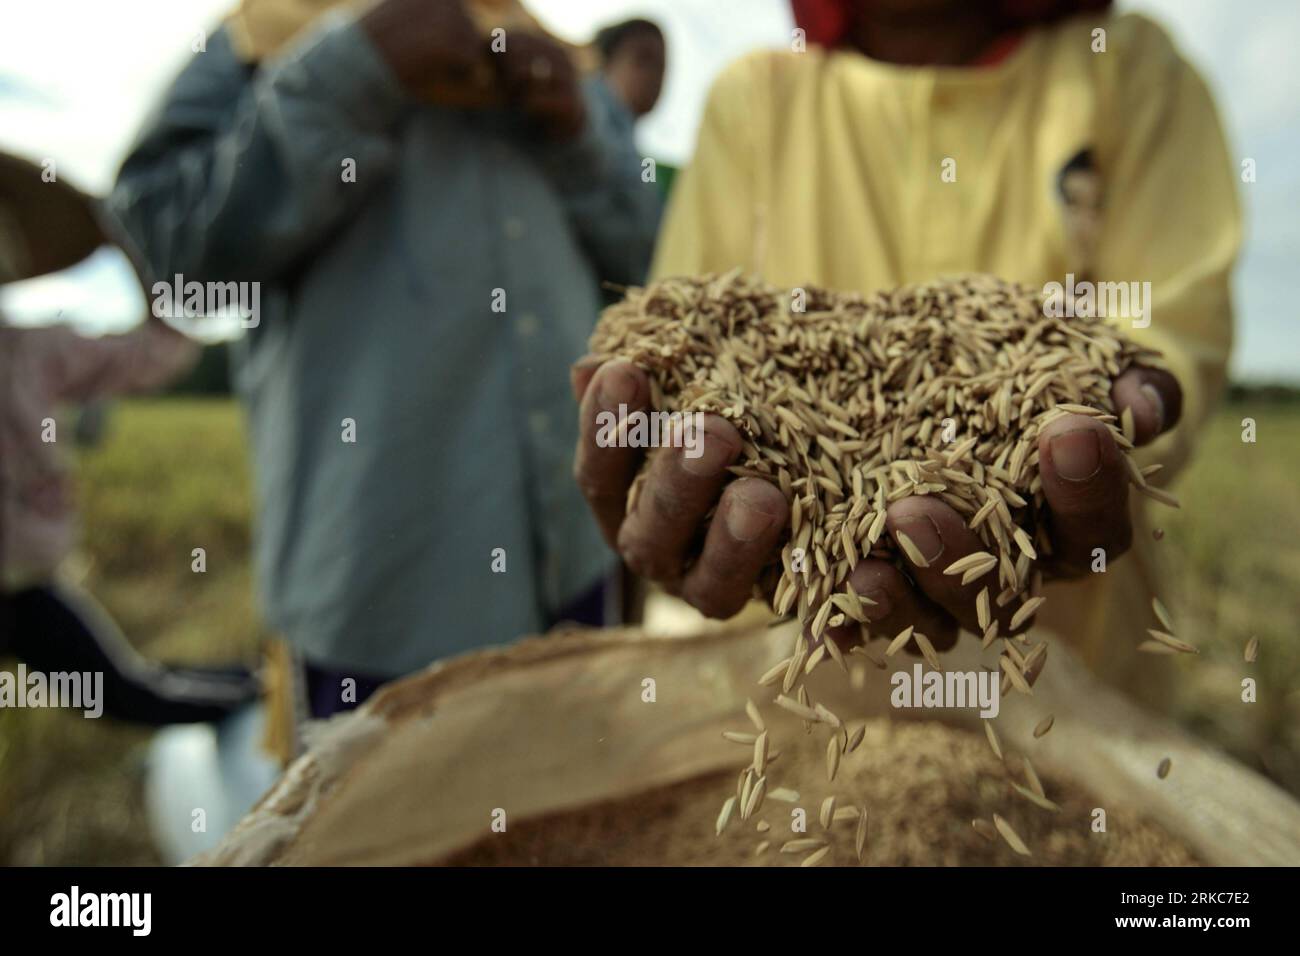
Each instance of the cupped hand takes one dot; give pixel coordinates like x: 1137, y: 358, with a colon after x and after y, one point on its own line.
x: 713, y: 564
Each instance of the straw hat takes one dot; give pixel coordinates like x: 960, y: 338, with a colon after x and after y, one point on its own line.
x: 44, y: 226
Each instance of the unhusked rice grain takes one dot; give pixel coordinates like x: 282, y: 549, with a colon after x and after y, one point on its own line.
x: 921, y: 782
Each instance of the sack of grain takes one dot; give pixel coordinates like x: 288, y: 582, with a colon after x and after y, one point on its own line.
x: 557, y: 738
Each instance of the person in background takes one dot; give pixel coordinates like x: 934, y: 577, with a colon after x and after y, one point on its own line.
x: 626, y: 87
x: 632, y: 59
x: 45, y: 622
x: 430, y: 219
x: 826, y: 166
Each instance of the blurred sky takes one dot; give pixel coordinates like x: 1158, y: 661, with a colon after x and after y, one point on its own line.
x: 77, y: 78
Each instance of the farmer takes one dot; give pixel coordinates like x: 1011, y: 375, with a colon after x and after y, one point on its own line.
x: 430, y: 203
x: 1032, y: 139
x: 45, y: 622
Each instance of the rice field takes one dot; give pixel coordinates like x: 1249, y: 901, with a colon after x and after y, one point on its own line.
x: 172, y: 476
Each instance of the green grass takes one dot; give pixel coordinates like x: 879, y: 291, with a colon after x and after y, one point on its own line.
x: 172, y: 476
x: 1234, y: 548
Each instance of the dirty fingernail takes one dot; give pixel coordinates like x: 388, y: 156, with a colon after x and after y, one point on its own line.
x: 1152, y: 395
x: 882, y: 607
x: 925, y: 535
x: 707, y: 455
x: 746, y: 518
x: 1076, y: 454
x: 618, y: 386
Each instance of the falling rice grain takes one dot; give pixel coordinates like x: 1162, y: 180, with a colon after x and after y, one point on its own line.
x: 813, y: 859
x: 994, y: 744
x: 1162, y: 614
x: 1036, y: 799
x: 802, y: 845
x: 796, y: 708
x: 1156, y: 494
x: 1026, y: 611
x: 1155, y: 647
x: 1013, y: 674
x: 1252, y: 650
x: 756, y: 794
x: 724, y: 817
x: 775, y: 674
x: 1034, y: 783
x: 899, y: 641
x: 984, y: 829
x: 1010, y: 835
x: 1166, y: 765
x: 1172, y: 642
x: 827, y: 815
x: 1044, y: 726
x: 927, y: 650
x: 855, y: 738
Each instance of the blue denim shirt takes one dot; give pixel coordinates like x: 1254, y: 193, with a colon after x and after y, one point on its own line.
x: 377, y: 306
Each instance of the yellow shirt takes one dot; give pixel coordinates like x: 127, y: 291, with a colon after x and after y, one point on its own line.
x: 828, y: 168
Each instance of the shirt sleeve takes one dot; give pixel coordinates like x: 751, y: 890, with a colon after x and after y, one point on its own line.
x: 240, y: 173
x: 1172, y: 217
x: 710, y: 223
x: 79, y: 368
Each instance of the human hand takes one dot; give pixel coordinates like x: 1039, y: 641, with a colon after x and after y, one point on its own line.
x: 428, y: 43
x: 540, y: 79
x: 1085, y: 482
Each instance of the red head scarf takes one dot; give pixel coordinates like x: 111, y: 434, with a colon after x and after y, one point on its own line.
x: 825, y: 22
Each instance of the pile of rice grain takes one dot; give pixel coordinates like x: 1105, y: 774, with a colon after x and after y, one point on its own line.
x: 923, y: 782
x: 851, y: 402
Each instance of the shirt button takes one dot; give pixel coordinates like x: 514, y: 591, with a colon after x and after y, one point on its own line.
x: 539, y: 422
x: 514, y: 228
x: 526, y: 325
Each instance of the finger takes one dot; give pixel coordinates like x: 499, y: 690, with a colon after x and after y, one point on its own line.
x: 1085, y: 481
x: 741, y: 539
x: 515, y: 66
x: 937, y: 533
x: 581, y: 374
x: 897, y: 604
x: 603, y: 470
x: 1155, y: 398
x: 681, y: 486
